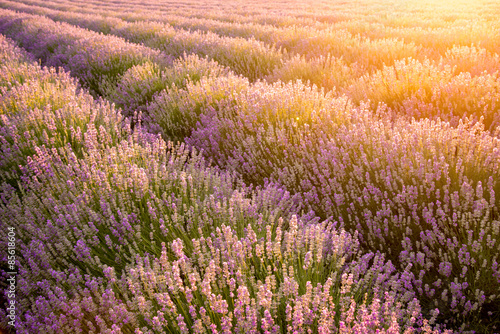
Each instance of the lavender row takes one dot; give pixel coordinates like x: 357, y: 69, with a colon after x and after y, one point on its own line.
x: 433, y: 42
x: 134, y: 235
x: 253, y: 59
x: 97, y: 60
x: 250, y: 58
x: 327, y: 71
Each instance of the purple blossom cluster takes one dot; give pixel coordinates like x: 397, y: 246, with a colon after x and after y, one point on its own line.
x: 333, y: 173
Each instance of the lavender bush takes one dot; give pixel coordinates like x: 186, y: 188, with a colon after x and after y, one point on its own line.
x: 42, y: 107
x: 433, y: 91
x: 176, y: 111
x: 140, y: 84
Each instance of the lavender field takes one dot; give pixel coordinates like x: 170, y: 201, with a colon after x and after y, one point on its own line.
x: 250, y: 167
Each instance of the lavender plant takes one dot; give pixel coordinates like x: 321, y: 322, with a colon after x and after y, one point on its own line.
x: 327, y: 72
x: 428, y: 90
x: 140, y: 84
x: 176, y: 111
